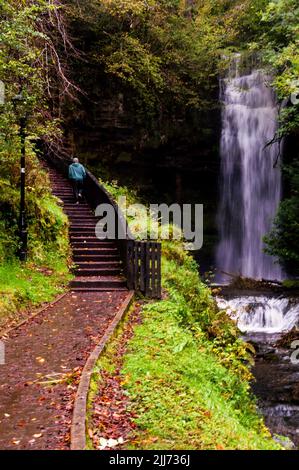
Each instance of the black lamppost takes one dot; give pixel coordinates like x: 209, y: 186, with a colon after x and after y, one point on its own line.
x: 22, y: 220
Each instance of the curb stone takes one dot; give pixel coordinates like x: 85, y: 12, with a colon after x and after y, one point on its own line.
x: 78, y: 429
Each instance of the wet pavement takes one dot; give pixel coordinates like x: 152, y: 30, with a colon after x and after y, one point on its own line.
x: 43, y: 362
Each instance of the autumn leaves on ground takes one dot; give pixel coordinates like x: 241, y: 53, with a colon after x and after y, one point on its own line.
x: 44, y: 361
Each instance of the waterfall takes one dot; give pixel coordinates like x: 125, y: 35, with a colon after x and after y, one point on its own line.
x: 262, y: 314
x: 250, y: 181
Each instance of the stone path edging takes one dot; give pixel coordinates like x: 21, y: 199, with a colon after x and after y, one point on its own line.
x: 78, y: 429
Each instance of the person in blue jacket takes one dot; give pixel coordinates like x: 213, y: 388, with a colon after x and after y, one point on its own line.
x: 77, y: 174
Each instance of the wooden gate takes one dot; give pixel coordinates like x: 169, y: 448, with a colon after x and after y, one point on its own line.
x: 144, y: 267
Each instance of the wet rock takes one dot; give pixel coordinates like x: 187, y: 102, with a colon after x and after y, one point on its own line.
x: 285, y: 442
x: 286, y: 340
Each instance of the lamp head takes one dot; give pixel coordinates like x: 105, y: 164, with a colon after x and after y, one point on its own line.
x: 19, y: 104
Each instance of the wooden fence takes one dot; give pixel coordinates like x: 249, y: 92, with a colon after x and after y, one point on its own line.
x: 144, y: 267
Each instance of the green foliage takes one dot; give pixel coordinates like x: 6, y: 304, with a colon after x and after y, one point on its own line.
x: 283, y: 241
x: 22, y: 70
x: 281, y: 19
x: 186, y: 370
x: 46, y: 222
x: 291, y: 284
x: 22, y: 44
x: 275, y: 39
x: 195, y: 309
x: 162, y: 57
x: 190, y: 298
x: 182, y: 396
x: 186, y: 389
x: 117, y: 191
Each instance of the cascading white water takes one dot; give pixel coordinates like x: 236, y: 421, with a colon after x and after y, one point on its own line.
x: 262, y: 314
x: 250, y: 180
x: 250, y: 194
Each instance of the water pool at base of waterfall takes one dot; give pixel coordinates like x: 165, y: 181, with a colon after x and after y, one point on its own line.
x: 264, y: 320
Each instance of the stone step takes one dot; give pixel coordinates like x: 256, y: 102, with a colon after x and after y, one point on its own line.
x: 82, y: 230
x: 62, y: 190
x: 78, y: 209
x: 98, y: 265
x: 99, y: 289
x: 97, y: 262
x: 98, y: 282
x: 88, y: 258
x: 95, y: 251
x: 79, y: 212
x: 97, y: 272
x: 88, y: 217
x: 74, y: 206
x: 90, y: 238
x: 68, y: 198
x: 92, y: 220
x: 83, y: 233
x: 97, y: 244
x: 90, y: 223
x: 67, y: 193
x: 61, y: 182
x: 85, y: 222
x: 76, y: 215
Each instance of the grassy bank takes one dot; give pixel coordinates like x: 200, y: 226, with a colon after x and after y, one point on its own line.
x: 24, y: 286
x: 187, y: 375
x: 185, y: 370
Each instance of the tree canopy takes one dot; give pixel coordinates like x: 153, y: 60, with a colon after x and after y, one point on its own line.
x: 159, y: 59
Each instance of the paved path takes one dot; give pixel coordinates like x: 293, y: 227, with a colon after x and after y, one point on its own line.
x: 53, y: 346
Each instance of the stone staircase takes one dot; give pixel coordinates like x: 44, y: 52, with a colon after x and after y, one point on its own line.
x: 97, y: 262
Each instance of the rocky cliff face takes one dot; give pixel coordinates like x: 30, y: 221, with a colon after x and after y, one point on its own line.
x: 175, y: 162
x: 107, y: 129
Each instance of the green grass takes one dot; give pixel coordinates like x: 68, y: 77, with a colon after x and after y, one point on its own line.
x: 27, y: 286
x: 186, y: 371
x: 183, y: 397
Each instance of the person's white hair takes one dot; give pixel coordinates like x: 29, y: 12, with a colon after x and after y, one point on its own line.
x: 75, y: 160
